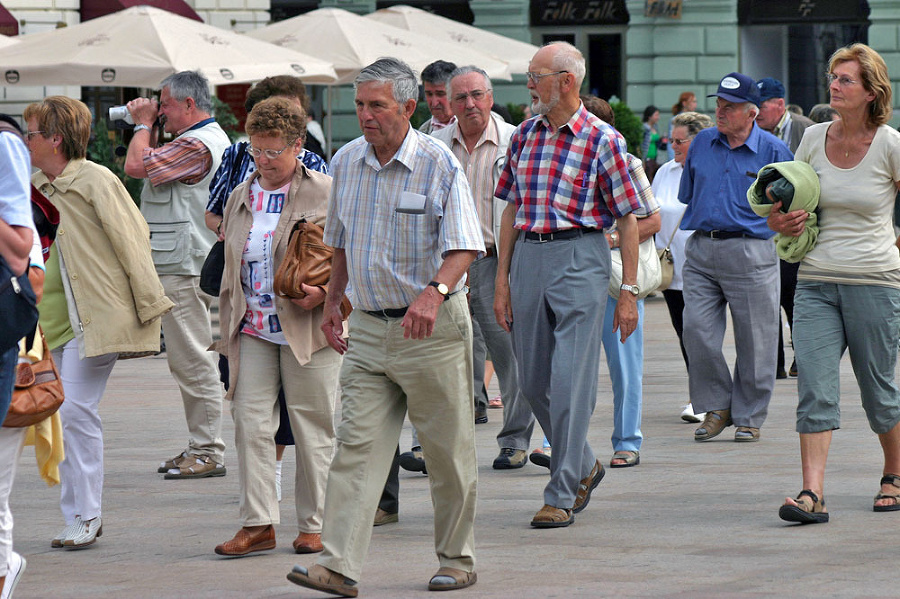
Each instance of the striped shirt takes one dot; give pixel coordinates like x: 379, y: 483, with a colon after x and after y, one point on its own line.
x: 397, y: 222
x: 479, y: 169
x: 237, y: 165
x: 574, y: 177
x: 184, y: 159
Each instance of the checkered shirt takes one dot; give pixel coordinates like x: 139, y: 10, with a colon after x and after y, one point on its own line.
x: 576, y: 176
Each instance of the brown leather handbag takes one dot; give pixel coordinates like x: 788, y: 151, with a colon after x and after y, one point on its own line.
x: 307, y: 260
x: 38, y: 392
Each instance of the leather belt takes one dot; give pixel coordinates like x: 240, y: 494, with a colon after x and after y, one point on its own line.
x: 389, y: 313
x: 723, y: 234
x: 558, y: 235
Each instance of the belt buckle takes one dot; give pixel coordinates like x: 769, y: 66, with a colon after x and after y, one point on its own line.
x: 541, y: 239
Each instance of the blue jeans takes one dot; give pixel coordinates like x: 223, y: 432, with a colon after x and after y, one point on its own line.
x: 8, y: 360
x: 626, y: 372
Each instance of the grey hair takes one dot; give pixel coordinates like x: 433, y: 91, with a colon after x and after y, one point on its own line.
x: 189, y: 84
x: 404, y: 84
x: 569, y: 58
x: 694, y: 122
x: 822, y: 113
x: 460, y: 71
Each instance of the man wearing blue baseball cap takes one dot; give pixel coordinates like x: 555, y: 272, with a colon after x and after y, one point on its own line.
x: 730, y: 260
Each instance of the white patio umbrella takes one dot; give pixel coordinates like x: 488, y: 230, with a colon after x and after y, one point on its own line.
x: 352, y: 42
x: 140, y: 46
x: 5, y: 41
x: 517, y: 54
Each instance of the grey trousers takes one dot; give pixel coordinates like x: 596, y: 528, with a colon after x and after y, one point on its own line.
x: 518, y: 420
x: 558, y: 293
x: 742, y: 273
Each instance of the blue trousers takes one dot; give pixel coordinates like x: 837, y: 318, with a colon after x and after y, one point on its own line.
x: 626, y: 372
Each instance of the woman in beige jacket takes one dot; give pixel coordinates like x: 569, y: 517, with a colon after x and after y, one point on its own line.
x: 272, y: 341
x: 102, y: 299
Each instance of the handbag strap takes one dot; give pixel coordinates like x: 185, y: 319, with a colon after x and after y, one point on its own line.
x: 675, y: 230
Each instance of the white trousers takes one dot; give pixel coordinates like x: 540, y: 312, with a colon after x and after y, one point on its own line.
x: 81, y: 473
x: 11, y: 440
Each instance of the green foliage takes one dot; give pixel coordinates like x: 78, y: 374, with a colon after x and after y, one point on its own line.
x: 421, y: 115
x: 515, y: 110
x: 101, y: 150
x: 226, y: 119
x: 629, y: 125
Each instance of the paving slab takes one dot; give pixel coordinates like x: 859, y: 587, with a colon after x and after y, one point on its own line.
x: 692, y: 520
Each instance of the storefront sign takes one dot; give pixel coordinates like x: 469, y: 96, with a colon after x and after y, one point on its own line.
x: 574, y: 12
x: 662, y: 9
x: 756, y: 12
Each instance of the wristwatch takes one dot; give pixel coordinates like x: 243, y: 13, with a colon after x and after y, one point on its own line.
x: 634, y: 289
x: 141, y: 126
x: 442, y: 289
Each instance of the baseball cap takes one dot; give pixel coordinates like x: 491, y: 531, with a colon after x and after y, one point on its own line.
x: 769, y: 88
x: 737, y: 87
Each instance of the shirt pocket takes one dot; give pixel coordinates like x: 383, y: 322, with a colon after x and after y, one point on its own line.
x: 169, y: 242
x: 574, y: 187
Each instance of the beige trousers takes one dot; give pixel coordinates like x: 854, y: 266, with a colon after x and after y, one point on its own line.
x: 310, y: 392
x: 382, y: 377
x: 188, y: 333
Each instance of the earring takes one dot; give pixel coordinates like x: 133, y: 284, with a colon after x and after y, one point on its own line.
x: 54, y: 151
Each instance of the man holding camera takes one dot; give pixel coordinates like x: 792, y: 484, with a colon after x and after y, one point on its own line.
x: 173, y: 202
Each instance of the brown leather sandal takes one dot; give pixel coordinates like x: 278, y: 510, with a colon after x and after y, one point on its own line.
x: 811, y: 509
x: 888, y: 479
x: 552, y: 517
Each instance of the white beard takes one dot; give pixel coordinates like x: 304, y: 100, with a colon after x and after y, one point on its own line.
x: 539, y: 107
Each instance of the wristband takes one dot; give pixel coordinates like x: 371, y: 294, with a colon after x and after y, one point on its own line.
x: 140, y: 127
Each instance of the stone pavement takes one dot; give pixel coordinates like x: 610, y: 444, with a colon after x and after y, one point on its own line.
x: 693, y: 520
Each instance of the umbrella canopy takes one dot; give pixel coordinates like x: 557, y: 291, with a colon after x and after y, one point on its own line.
x: 352, y: 42
x: 517, y: 54
x: 141, y: 46
x: 8, y: 41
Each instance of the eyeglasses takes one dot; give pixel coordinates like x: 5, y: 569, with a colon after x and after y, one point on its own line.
x: 535, y: 78
x: 681, y: 142
x: 31, y: 134
x: 270, y: 154
x: 476, y: 95
x: 843, y: 80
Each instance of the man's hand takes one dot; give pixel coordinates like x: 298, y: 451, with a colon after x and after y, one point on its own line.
x: 143, y: 111
x: 625, y: 318
x: 791, y: 224
x: 333, y: 327
x: 314, y: 297
x: 502, y: 305
x: 422, y: 313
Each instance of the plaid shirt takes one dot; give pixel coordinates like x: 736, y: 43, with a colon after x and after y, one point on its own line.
x: 574, y: 177
x: 237, y: 165
x: 646, y: 200
x: 391, y: 254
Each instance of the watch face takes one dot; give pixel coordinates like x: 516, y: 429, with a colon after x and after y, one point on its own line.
x: 443, y: 289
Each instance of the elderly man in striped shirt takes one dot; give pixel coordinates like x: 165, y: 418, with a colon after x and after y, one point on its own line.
x: 566, y: 179
x: 404, y: 228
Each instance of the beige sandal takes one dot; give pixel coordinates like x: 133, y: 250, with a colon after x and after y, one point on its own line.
x: 888, y: 479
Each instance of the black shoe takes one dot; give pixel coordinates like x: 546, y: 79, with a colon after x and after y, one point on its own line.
x: 780, y: 374
x: 510, y: 459
x: 793, y: 369
x: 481, y: 416
x: 413, y: 460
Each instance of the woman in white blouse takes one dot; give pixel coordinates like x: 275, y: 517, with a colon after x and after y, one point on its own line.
x: 665, y: 188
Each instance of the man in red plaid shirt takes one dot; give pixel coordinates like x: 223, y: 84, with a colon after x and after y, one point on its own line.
x: 566, y: 179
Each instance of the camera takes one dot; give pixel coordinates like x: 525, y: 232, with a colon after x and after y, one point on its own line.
x: 120, y: 113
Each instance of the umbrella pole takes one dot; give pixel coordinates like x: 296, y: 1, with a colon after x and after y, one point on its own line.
x: 328, y: 133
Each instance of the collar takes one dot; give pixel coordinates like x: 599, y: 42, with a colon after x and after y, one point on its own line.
x: 782, y: 124
x: 436, y: 126
x: 405, y: 155
x: 65, y: 179
x: 752, y: 141
x: 198, y: 125
x: 489, y: 135
x: 578, y: 123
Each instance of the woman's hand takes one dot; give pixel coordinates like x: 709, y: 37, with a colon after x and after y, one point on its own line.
x: 314, y: 297
x: 790, y: 224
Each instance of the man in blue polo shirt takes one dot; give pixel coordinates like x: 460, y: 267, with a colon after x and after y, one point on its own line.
x: 730, y: 260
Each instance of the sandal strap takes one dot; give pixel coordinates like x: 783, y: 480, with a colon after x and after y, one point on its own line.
x: 811, y: 495
x: 890, y: 479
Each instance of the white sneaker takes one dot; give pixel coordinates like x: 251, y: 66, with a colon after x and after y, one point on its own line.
x: 15, y: 569
x: 688, y: 415
x: 85, y: 534
x: 65, y: 533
